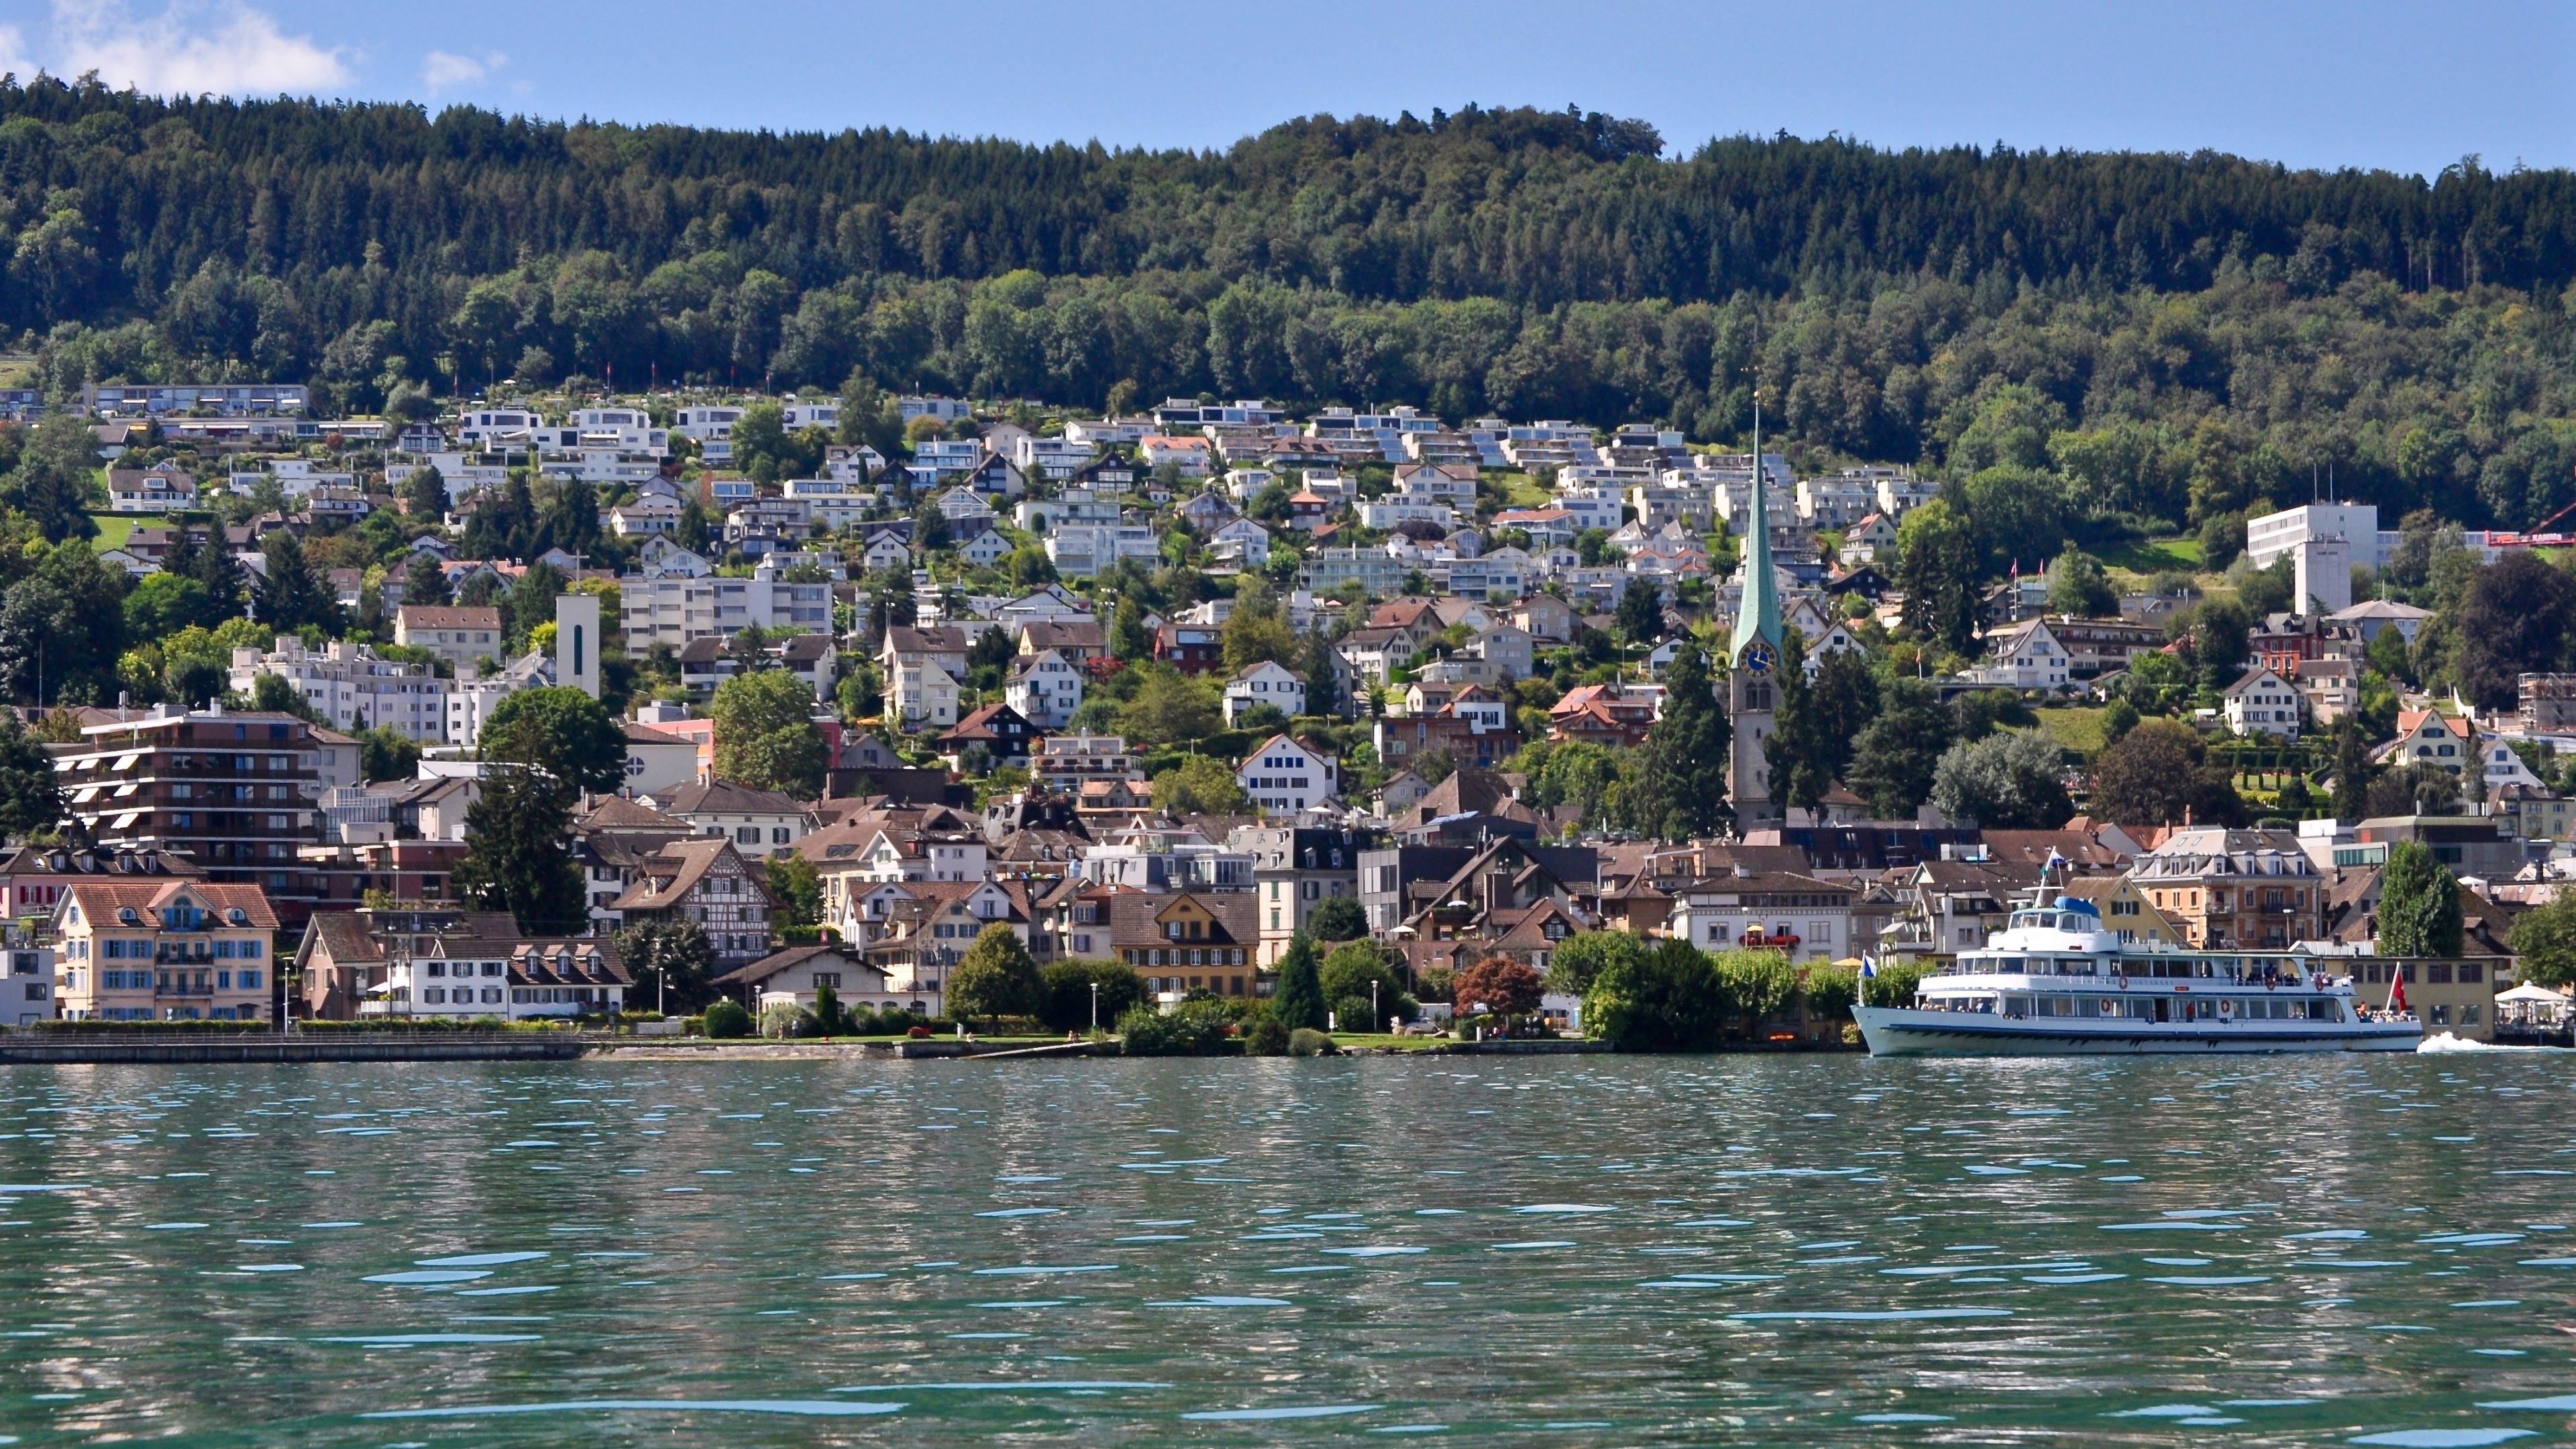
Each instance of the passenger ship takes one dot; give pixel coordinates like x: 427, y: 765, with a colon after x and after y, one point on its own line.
x: 2055, y: 983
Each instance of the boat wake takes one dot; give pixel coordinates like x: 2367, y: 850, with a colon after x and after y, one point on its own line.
x: 2450, y: 1042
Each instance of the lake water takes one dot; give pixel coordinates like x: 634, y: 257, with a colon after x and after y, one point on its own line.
x: 1825, y: 1250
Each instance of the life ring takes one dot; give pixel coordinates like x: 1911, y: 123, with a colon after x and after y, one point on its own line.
x: 2120, y: 981
x: 2110, y: 1006
x: 2226, y: 1009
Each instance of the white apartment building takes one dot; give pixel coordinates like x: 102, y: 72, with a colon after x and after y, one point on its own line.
x: 627, y: 430
x: 711, y: 428
x: 353, y: 687
x: 1082, y: 550
x: 674, y: 611
x: 1054, y: 459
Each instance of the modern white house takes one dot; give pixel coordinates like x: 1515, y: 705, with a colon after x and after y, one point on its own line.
x: 1267, y: 682
x: 1284, y: 777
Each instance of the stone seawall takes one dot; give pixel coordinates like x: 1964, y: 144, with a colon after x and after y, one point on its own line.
x: 52, y: 1049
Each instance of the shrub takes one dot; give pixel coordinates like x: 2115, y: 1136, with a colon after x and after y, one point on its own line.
x: 1352, y: 1013
x: 693, y: 1025
x: 786, y: 1019
x: 829, y: 1018
x: 1304, y: 1043
x: 1065, y: 993
x: 1264, y: 1036
x: 1666, y: 1000
x: 1145, y: 1032
x: 727, y: 1019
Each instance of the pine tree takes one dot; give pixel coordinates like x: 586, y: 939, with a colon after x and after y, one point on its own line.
x: 291, y: 594
x: 1682, y: 782
x: 1640, y: 615
x: 515, y: 859
x: 2351, y: 771
x: 1298, y: 1000
x: 425, y: 582
x: 221, y: 573
x: 1323, y: 676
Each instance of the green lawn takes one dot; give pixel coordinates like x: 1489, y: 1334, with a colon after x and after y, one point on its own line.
x: 113, y: 529
x: 2178, y: 555
x: 2078, y: 728
x: 1520, y: 490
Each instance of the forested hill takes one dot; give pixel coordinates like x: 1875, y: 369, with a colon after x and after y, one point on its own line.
x: 1532, y: 263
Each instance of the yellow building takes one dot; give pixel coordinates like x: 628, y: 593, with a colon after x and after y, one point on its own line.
x: 165, y: 950
x: 2126, y: 911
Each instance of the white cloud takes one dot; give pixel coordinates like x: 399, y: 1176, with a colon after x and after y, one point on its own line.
x: 14, y: 59
x: 441, y: 70
x: 192, y: 47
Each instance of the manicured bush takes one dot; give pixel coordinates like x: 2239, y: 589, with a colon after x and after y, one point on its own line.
x: 1264, y: 1036
x: 1304, y: 1043
x: 726, y: 1020
x: 1145, y: 1032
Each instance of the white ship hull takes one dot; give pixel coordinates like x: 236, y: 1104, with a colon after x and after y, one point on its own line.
x: 1906, y: 1032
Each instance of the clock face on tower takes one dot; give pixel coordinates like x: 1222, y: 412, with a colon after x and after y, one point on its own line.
x: 1758, y: 657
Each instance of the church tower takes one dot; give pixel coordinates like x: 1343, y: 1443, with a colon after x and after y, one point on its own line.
x: 1752, y: 655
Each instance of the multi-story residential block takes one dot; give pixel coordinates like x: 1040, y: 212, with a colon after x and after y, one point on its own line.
x: 1064, y: 763
x: 922, y: 667
x: 354, y: 687
x: 1807, y: 918
x: 1296, y: 869
x: 1080, y: 550
x: 2241, y: 889
x: 463, y: 634
x: 1352, y: 571
x: 34, y: 879
x: 2263, y: 703
x: 231, y: 400
x: 163, y: 950
x: 1188, y: 941
x: 233, y: 790
x: 673, y: 611
x: 157, y: 489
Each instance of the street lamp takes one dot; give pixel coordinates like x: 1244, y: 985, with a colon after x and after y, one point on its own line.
x: 1095, y: 1006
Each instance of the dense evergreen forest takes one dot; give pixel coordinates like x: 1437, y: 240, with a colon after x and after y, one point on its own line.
x: 2166, y: 339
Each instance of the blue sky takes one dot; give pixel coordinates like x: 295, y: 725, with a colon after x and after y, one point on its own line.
x: 2365, y: 83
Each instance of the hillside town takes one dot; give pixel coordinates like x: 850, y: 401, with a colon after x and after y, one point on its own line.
x: 584, y: 707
